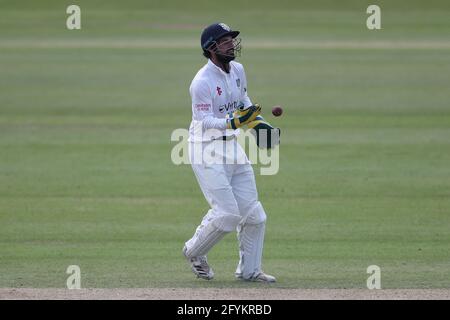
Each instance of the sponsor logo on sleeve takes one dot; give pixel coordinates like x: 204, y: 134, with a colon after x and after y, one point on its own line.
x: 203, y: 107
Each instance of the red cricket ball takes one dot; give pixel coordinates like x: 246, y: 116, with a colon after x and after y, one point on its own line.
x: 277, y: 111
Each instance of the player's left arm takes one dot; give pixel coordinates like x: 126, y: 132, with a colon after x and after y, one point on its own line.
x: 245, y: 100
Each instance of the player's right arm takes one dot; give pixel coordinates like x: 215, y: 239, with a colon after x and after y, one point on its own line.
x: 202, y: 106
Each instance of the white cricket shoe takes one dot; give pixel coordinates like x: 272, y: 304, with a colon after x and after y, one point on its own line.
x: 200, y: 266
x: 261, y: 277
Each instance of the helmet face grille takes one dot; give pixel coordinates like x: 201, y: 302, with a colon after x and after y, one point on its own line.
x: 236, y: 48
x: 233, y: 51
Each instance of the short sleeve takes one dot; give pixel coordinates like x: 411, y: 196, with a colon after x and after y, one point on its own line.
x: 202, y: 107
x: 201, y: 100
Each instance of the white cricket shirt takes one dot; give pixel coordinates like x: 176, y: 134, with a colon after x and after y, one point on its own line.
x: 215, y: 94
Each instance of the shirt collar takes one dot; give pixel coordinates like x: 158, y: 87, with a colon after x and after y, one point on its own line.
x: 212, y: 65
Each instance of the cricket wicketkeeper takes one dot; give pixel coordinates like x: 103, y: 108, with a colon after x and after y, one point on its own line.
x: 220, y: 105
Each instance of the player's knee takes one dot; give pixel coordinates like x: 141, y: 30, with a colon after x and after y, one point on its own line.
x: 256, y: 214
x: 227, y: 222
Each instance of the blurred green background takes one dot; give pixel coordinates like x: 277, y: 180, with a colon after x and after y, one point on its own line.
x: 86, y: 117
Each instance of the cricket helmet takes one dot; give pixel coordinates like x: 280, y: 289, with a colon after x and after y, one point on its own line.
x: 214, y: 32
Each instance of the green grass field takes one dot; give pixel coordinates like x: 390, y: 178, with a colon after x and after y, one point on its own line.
x: 86, y: 116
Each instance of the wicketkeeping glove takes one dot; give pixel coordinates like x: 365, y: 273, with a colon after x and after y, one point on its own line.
x: 242, y: 117
x: 266, y: 135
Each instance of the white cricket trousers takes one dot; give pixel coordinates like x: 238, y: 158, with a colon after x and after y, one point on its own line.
x: 230, y: 190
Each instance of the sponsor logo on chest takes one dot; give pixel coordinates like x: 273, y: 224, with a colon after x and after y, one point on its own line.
x: 227, y: 107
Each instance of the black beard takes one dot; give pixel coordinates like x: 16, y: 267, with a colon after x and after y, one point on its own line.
x: 225, y: 58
